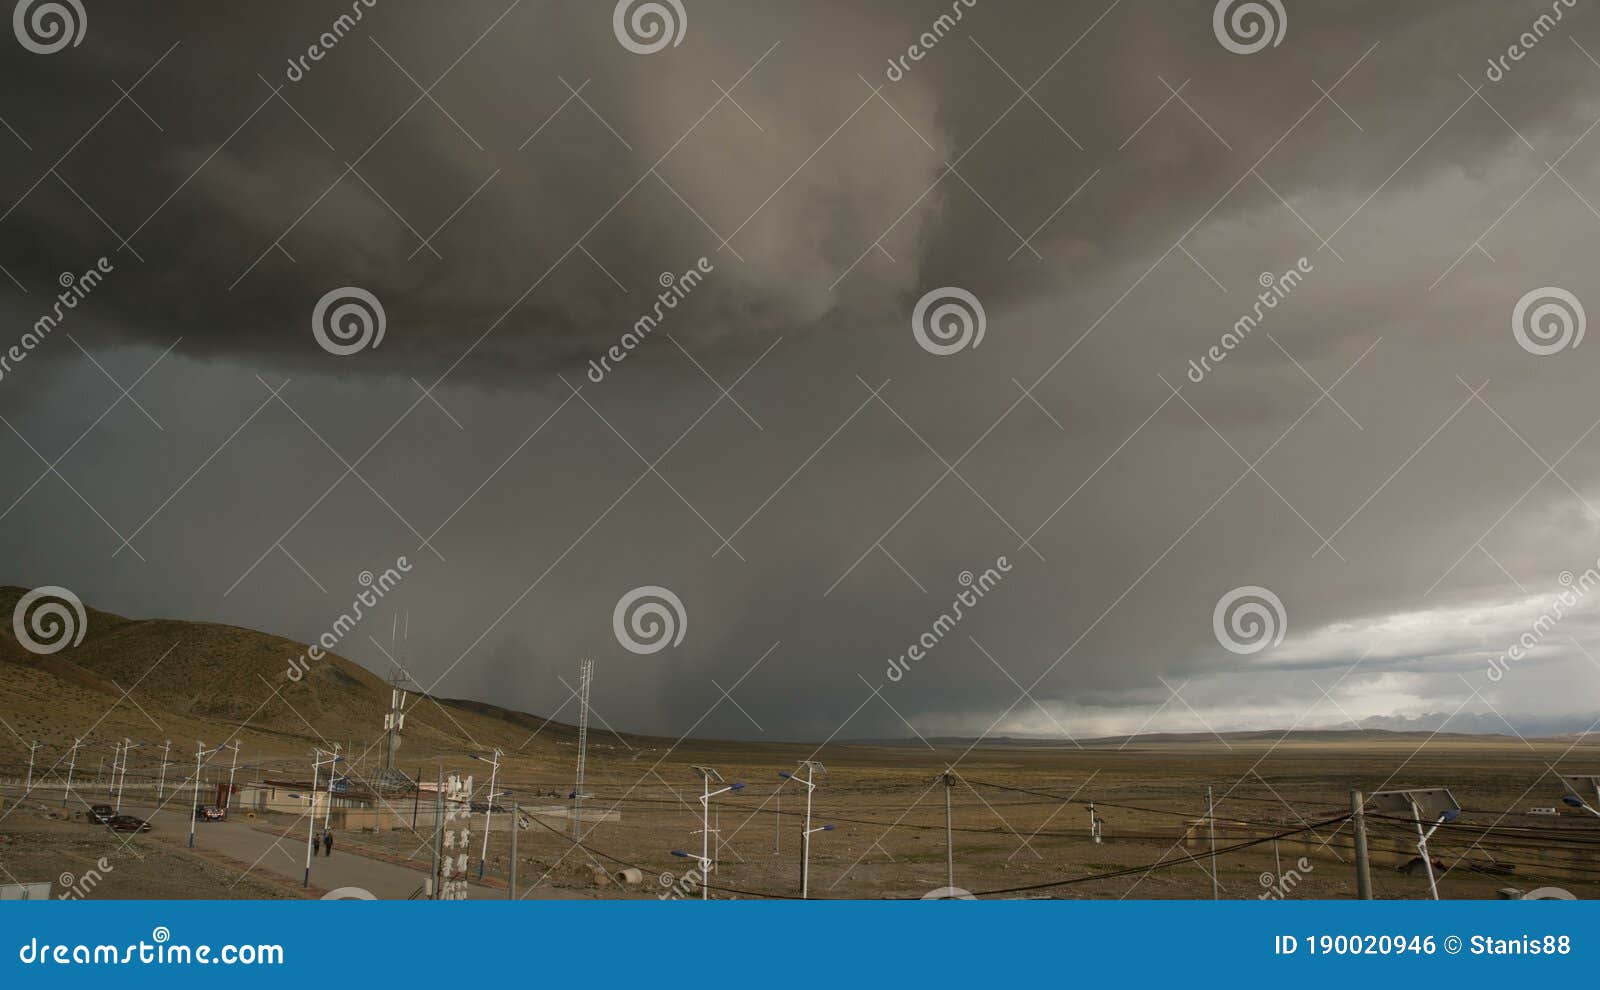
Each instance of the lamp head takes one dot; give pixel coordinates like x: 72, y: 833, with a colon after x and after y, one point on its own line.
x: 736, y: 787
x: 1572, y: 801
x: 828, y: 828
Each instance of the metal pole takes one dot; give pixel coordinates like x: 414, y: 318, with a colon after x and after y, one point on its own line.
x: 1358, y: 820
x: 199, y: 753
x: 416, y: 799
x: 438, y: 824
x: 111, y: 781
x: 161, y: 785
x: 33, y: 747
x: 949, y: 835
x: 488, y: 813
x: 333, y: 766
x: 71, y: 765
x: 1422, y: 847
x: 311, y: 815
x: 1211, y: 826
x: 516, y: 818
x: 127, y: 746
x: 777, y: 823
x: 705, y: 835
x: 227, y: 805
x: 805, y: 838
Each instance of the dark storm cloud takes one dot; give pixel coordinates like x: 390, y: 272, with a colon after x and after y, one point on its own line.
x: 1114, y: 223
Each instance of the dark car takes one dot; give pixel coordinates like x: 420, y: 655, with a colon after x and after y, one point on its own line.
x: 101, y: 814
x: 128, y: 823
x: 208, y: 813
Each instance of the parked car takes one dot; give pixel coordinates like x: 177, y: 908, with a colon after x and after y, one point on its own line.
x: 100, y: 814
x: 208, y: 813
x: 128, y: 823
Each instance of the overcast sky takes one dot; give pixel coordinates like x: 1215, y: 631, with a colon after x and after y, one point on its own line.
x: 1409, y: 475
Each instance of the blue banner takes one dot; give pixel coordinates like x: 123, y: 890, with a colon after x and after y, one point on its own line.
x: 684, y: 943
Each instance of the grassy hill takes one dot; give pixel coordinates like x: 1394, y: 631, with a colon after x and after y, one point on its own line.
x: 158, y: 679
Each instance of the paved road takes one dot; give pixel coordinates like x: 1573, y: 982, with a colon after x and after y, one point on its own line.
x: 286, y: 857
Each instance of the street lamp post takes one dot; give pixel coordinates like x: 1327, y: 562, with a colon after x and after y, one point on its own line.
x: 494, y: 771
x: 33, y: 748
x: 811, y: 767
x: 311, y: 815
x: 201, y: 754
x: 227, y: 806
x: 1423, y: 804
x: 161, y: 784
x: 1578, y: 786
x: 707, y: 775
x: 72, y: 764
x: 128, y: 745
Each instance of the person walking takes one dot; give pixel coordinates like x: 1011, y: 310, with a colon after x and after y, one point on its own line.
x: 327, y: 842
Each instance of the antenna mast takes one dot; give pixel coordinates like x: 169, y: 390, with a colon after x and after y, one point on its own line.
x: 585, y: 677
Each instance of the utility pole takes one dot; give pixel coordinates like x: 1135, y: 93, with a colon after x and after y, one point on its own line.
x: 161, y: 784
x: 516, y: 823
x: 66, y: 795
x: 438, y: 825
x: 201, y: 754
x: 810, y: 780
x: 1211, y: 825
x: 585, y: 676
x: 1358, y: 821
x: 488, y: 813
x: 128, y: 745
x: 311, y: 814
x: 949, y: 833
x: 33, y: 747
x: 227, y: 806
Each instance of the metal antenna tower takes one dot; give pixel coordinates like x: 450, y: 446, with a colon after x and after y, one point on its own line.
x: 585, y: 677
